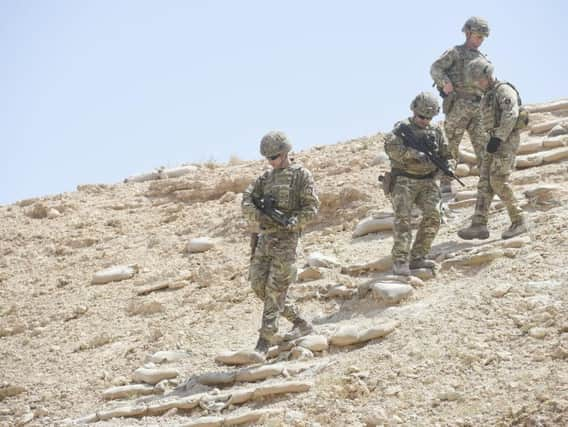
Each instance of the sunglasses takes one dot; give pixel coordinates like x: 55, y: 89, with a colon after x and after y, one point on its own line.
x: 273, y: 157
x: 424, y: 117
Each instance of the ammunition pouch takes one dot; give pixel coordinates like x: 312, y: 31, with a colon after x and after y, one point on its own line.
x: 523, y: 119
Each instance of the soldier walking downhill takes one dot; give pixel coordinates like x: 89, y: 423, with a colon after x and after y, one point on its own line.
x: 461, y: 99
x: 500, y: 110
x: 290, y: 189
x: 414, y: 177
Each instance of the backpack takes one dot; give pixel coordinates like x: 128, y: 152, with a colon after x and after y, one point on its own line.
x: 523, y: 119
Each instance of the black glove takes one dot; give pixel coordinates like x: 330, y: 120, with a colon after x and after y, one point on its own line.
x: 493, y: 144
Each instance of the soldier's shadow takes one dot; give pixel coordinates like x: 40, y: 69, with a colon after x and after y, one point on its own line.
x: 360, y: 305
x: 443, y: 249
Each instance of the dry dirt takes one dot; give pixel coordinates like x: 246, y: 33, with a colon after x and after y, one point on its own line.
x: 485, y: 342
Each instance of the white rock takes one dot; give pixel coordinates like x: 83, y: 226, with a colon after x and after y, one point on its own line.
x: 351, y: 334
x: 313, y: 342
x: 53, y: 213
x: 200, y: 244
x: 465, y: 195
x: 241, y: 357
x: 217, y: 378
x: 501, y: 290
x: 378, y: 331
x: 391, y: 292
x: 318, y: 259
x: 345, y: 335
x: 128, y: 391
x: 154, y: 375
x: 538, y: 332
x: 310, y: 273
x: 373, y: 225
x: 531, y: 160
x: 546, y: 126
x: 555, y: 155
x: 339, y: 290
x: 114, y: 274
x: 555, y: 141
x: 168, y: 356
x: 179, y: 171
x: 467, y: 157
x: 530, y: 147
x: 382, y: 264
x: 462, y: 170
x: 144, y: 177
x: 449, y: 396
x: 558, y: 130
x: 548, y: 106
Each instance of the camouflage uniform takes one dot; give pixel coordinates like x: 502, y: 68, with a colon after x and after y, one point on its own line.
x: 425, y: 193
x: 500, y: 112
x: 272, y: 268
x: 462, y: 105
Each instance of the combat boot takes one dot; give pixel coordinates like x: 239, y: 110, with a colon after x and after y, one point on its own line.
x: 401, y: 268
x: 418, y: 263
x: 515, y: 229
x: 474, y: 231
x: 262, y: 345
x: 301, y: 328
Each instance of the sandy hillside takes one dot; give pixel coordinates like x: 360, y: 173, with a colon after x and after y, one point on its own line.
x: 152, y: 341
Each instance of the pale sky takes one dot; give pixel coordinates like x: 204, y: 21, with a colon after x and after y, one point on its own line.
x: 93, y: 91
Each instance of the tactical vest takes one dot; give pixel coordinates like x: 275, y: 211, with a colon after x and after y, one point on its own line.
x: 491, y: 102
x: 284, y: 186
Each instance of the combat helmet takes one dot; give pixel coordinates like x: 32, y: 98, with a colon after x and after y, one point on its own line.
x: 478, y: 69
x: 274, y: 143
x: 425, y: 104
x: 476, y: 24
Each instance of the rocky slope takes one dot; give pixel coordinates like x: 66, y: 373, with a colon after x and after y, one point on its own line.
x: 125, y: 304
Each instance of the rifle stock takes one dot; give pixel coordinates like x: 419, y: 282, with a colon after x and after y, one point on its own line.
x: 426, y: 147
x: 266, y: 206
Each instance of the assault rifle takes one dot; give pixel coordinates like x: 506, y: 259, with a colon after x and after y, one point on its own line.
x: 267, y: 206
x: 427, y: 146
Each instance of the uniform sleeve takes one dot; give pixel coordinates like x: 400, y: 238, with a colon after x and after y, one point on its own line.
x: 444, y: 148
x: 397, y: 151
x: 309, y: 201
x: 439, y: 68
x: 508, y: 105
x: 250, y: 212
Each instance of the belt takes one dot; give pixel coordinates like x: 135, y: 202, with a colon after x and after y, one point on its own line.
x: 398, y: 172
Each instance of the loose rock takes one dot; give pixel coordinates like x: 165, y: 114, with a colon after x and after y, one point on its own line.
x: 241, y: 357
x: 114, y: 274
x: 200, y: 244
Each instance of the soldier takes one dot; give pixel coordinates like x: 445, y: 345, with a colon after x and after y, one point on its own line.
x: 415, y: 182
x: 461, y: 100
x: 291, y: 189
x: 501, y: 119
